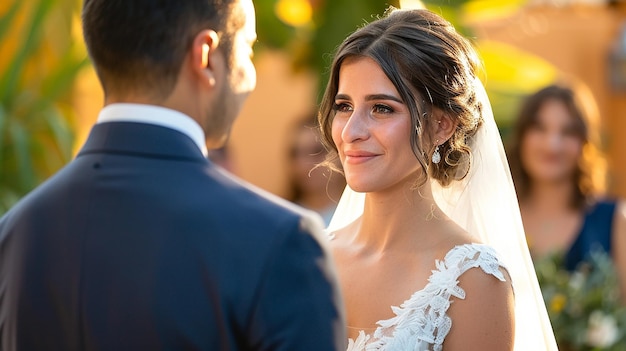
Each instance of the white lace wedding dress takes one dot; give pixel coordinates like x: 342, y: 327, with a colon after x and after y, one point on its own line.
x: 421, y: 322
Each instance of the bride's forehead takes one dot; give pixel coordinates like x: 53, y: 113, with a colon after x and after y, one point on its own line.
x: 365, y: 76
x: 360, y: 63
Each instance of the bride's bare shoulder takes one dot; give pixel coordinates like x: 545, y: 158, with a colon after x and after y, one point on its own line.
x: 485, y: 316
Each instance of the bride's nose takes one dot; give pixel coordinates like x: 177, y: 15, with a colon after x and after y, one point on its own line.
x: 357, y: 127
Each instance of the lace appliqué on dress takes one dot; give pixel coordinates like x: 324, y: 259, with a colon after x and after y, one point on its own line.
x: 421, y: 322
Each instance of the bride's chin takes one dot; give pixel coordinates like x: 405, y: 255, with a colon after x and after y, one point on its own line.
x: 359, y: 187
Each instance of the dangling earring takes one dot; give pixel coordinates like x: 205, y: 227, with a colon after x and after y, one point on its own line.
x: 436, y: 155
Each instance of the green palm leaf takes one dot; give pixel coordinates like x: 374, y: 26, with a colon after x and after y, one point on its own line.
x: 7, y: 19
x: 10, y: 78
x: 36, y: 133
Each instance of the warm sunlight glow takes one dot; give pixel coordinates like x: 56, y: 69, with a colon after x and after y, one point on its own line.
x: 510, y: 68
x: 477, y: 11
x: 295, y: 13
x: 411, y: 4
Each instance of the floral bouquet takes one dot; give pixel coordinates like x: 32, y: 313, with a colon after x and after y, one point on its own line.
x: 584, y: 305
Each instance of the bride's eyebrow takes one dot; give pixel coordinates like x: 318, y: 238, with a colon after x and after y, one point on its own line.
x: 383, y: 97
x: 372, y: 97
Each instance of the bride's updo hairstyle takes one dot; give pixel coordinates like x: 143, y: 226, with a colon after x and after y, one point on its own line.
x: 430, y: 64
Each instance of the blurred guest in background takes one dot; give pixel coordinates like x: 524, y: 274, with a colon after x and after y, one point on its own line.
x: 558, y: 175
x: 315, y: 188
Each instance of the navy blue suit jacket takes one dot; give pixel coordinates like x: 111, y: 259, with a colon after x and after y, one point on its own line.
x: 140, y: 243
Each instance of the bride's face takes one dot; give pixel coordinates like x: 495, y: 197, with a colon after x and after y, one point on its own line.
x: 372, y: 129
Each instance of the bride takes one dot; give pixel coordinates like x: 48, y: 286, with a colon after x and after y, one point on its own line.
x: 427, y: 237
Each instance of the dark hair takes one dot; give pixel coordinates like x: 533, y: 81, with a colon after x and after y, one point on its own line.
x: 528, y: 117
x: 141, y: 44
x: 430, y: 64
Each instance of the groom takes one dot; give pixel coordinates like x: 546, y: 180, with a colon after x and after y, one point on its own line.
x: 140, y: 243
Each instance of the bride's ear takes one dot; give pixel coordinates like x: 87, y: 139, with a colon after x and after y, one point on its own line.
x: 444, y: 126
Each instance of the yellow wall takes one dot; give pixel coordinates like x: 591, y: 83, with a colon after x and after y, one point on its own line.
x: 260, y: 136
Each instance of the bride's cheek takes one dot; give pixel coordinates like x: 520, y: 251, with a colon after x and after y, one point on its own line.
x: 337, y: 129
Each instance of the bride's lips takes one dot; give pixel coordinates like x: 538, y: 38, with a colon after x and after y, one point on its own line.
x: 357, y: 156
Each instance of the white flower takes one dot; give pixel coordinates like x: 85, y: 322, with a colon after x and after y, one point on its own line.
x: 602, y: 331
x: 576, y: 280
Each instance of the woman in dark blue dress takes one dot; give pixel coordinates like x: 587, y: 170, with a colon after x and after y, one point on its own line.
x: 558, y: 174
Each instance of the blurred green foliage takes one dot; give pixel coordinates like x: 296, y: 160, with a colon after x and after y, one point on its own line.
x: 39, y: 64
x: 584, y: 305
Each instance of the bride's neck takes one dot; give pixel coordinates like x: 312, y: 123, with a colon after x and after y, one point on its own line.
x: 397, y: 219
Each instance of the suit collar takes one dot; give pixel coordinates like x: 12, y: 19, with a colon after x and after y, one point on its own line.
x: 157, y: 115
x: 140, y: 139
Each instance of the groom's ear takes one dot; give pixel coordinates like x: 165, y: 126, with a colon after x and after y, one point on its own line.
x: 444, y: 126
x: 205, y: 59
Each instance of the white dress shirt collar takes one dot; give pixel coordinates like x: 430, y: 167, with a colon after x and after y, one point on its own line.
x: 157, y: 115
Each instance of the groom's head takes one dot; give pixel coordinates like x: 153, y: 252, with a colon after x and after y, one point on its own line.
x: 189, y: 55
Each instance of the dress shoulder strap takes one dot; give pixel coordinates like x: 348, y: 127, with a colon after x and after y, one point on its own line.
x: 461, y: 258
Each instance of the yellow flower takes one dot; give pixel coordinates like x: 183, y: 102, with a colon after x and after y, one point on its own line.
x: 558, y: 303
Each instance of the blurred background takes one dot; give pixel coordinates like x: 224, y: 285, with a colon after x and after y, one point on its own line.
x: 50, y: 96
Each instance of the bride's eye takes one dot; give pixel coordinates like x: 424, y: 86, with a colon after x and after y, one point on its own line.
x: 342, y: 107
x: 382, y: 109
